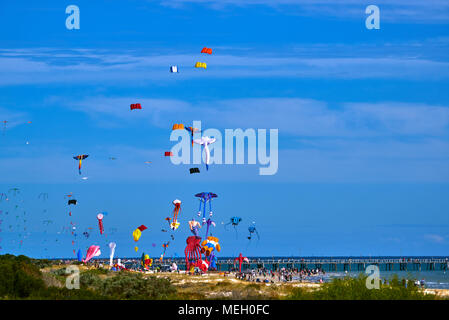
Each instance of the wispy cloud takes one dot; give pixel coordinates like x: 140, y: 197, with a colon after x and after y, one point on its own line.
x: 13, y: 118
x: 413, y: 11
x: 293, y: 116
x: 436, y: 238
x: 92, y: 66
x: 350, y: 142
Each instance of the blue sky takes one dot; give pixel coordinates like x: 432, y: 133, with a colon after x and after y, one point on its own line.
x: 363, y: 119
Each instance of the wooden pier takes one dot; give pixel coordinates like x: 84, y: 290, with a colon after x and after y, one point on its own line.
x: 329, y: 264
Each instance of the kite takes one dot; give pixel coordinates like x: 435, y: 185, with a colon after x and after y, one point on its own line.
x: 209, y: 222
x: 241, y: 259
x: 86, y: 234
x: 234, y: 222
x: 80, y: 158
x: 205, y: 197
x: 100, y: 222
x: 135, y: 106
x: 252, y: 229
x: 80, y: 255
x: 147, y: 162
x: 209, y: 245
x: 174, y: 69
x: 177, y: 126
x: 72, y: 201
x: 146, y: 261
x: 43, y: 195
x: 192, y: 131
x: 194, y: 170
x: 136, y: 235
x: 175, y: 224
x: 212, y: 261
x: 165, y: 246
x: 136, y: 248
x: 138, y: 232
x: 142, y: 227
x: 4, y: 126
x: 168, y: 154
x: 192, y: 250
x: 194, y: 226
x: 203, y: 265
x: 112, y: 246
x: 112, y: 158
x: 206, y: 141
x: 206, y: 50
x: 201, y: 65
x: 93, y: 251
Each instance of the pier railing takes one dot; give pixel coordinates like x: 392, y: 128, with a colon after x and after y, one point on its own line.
x: 329, y: 264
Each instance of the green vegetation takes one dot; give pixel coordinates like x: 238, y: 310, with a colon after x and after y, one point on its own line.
x: 136, y: 287
x: 355, y: 289
x: 21, y: 278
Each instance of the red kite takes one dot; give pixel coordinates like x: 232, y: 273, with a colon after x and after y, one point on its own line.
x: 135, y: 106
x: 206, y: 50
x: 142, y: 227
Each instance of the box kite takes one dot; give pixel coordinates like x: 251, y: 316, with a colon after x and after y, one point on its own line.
x: 135, y: 106
x: 178, y: 126
x: 201, y: 65
x: 206, y: 50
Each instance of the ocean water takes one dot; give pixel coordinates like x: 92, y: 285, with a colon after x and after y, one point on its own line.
x: 433, y: 279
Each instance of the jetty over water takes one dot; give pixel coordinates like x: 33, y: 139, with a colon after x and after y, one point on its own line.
x: 329, y: 264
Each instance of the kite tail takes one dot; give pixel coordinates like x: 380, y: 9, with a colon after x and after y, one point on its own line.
x: 207, y: 166
x: 199, y: 210
x: 79, y: 167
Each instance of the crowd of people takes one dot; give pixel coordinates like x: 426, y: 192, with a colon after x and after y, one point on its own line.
x: 282, y: 275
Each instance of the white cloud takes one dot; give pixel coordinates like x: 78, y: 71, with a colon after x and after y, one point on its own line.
x: 96, y: 66
x: 13, y: 118
x: 292, y: 116
x: 435, y: 238
x: 412, y: 11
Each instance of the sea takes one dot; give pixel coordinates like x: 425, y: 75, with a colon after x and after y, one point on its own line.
x: 432, y: 279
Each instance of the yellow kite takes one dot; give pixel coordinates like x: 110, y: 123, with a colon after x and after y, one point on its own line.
x: 201, y: 65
